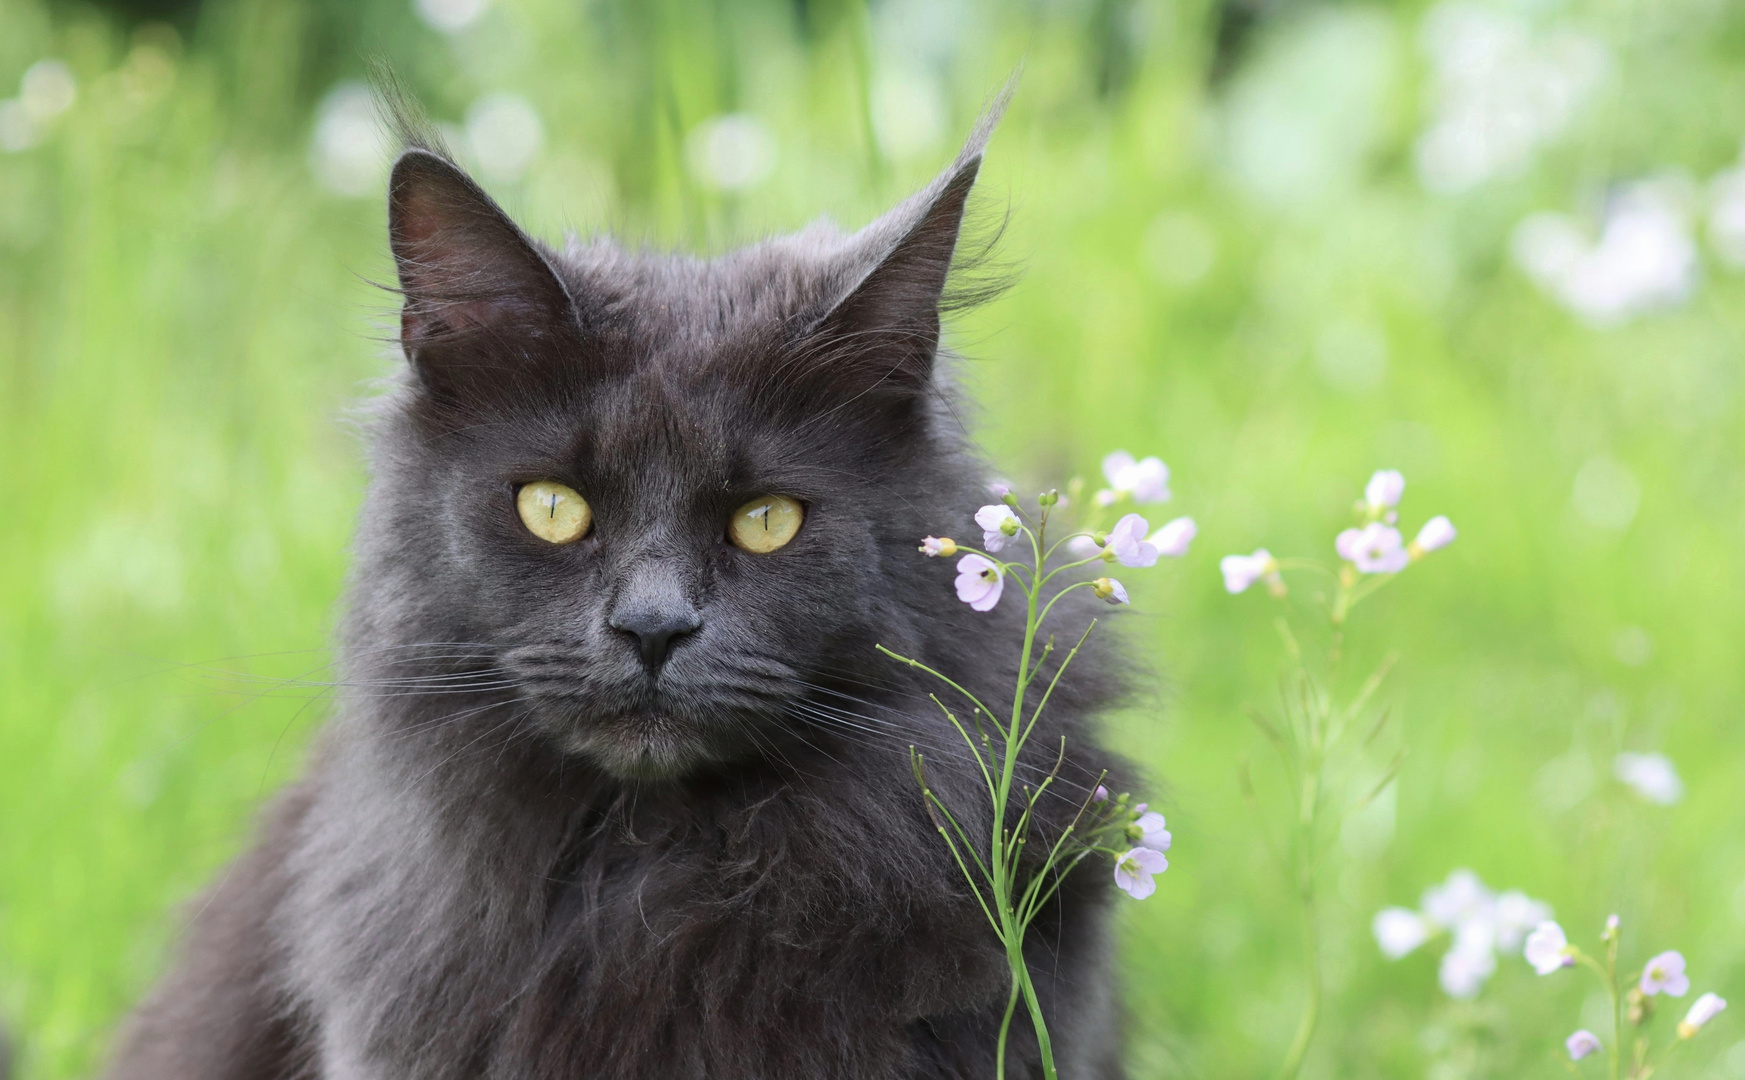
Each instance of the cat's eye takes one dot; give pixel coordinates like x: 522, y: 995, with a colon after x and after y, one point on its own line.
x: 765, y: 524
x: 553, y: 511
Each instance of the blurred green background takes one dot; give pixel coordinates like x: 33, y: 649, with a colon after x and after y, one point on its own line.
x: 1280, y: 243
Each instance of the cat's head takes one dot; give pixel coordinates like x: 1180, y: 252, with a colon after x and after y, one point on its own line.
x: 673, y: 497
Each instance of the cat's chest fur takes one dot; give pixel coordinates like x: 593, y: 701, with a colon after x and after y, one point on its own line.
x: 765, y: 930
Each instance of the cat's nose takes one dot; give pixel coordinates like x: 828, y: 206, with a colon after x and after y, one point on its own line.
x: 654, y: 632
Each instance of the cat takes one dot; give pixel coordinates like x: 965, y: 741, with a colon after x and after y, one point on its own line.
x: 626, y: 791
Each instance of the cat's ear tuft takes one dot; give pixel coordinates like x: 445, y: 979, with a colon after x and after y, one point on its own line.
x: 886, y: 323
x: 476, y: 289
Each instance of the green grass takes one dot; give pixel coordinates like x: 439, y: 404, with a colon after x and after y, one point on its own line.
x: 185, y: 320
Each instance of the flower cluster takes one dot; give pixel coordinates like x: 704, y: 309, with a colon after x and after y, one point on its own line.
x: 1548, y: 949
x: 1374, y: 546
x: 981, y: 578
x: 1149, y: 839
x: 1479, y: 923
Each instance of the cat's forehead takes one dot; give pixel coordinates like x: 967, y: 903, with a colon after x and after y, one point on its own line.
x: 664, y: 301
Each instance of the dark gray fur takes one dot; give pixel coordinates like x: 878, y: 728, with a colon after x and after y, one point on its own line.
x: 517, y: 853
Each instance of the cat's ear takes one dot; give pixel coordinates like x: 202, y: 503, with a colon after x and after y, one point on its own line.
x: 880, y: 336
x: 478, y: 292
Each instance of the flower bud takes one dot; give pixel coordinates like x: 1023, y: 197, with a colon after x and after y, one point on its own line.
x: 1048, y: 498
x: 936, y: 546
x: 1109, y: 589
x: 1610, y: 933
x: 1705, y: 1009
x: 1384, y: 490
x: 1438, y: 532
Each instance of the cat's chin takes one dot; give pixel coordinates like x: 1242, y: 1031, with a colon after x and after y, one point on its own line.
x: 643, y: 748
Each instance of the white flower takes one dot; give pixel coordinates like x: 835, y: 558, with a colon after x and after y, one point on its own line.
x: 1127, y: 542
x: 999, y: 489
x: 1438, y: 532
x: 998, y: 523
x: 1107, y: 588
x: 1134, y: 869
x: 1460, y: 899
x: 1548, y: 948
x: 1470, y: 962
x: 1399, y: 931
x: 1151, y: 830
x: 1581, y: 1044
x: 1701, y: 1012
x: 1651, y: 776
x: 1241, y: 571
x: 1516, y: 913
x: 1665, y: 974
x: 1374, y: 549
x: 1384, y: 490
x: 1173, y: 539
x: 1146, y: 480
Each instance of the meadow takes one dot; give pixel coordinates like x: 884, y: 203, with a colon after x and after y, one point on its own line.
x: 1497, y: 246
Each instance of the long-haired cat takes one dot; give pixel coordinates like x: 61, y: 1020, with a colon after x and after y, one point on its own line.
x: 617, y: 785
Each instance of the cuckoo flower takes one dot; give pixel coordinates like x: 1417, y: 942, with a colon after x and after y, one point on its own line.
x: 1706, y: 1008
x: 1134, y: 869
x: 1581, y: 1044
x: 1241, y: 571
x: 979, y: 582
x: 1374, y: 549
x: 1548, y: 948
x: 1651, y: 776
x: 1437, y: 533
x: 1146, y: 480
x: 1665, y: 974
x: 935, y: 546
x: 1173, y: 539
x: 998, y: 523
x: 1107, y: 588
x: 1399, y: 931
x: 1128, y: 544
x: 1384, y: 490
x: 1148, y: 831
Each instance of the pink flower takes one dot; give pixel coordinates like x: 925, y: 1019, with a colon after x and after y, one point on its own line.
x: 1665, y: 974
x: 934, y: 546
x: 979, y: 582
x: 1151, y: 831
x: 1107, y: 588
x: 1134, y: 869
x: 1374, y: 549
x: 1173, y: 539
x: 1437, y: 533
x: 1581, y: 1044
x: 1384, y: 490
x: 1100, y: 795
x: 999, y: 489
x: 1127, y: 541
x: 1241, y: 571
x: 998, y: 524
x: 1146, y: 480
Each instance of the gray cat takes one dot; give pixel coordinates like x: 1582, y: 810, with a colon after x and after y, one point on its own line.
x: 618, y: 785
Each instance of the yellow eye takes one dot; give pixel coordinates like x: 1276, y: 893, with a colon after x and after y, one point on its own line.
x: 553, y: 512
x: 762, y: 525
